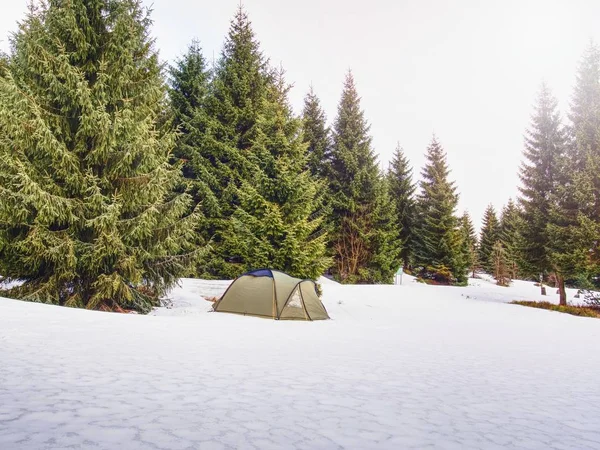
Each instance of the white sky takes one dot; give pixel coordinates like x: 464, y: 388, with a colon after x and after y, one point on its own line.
x: 467, y: 70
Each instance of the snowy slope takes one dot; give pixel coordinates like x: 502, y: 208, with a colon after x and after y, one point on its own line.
x: 486, y: 289
x: 397, y: 367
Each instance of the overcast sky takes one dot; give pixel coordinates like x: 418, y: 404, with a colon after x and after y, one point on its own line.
x: 467, y: 70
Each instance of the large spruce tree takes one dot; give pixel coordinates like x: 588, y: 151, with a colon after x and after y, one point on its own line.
x: 437, y: 243
x: 545, y: 143
x: 88, y: 217
x: 402, y: 190
x: 490, y: 234
x: 582, y: 166
x: 245, y: 158
x: 364, y: 241
x: 278, y: 222
x: 317, y: 135
x: 236, y: 102
x: 574, y: 203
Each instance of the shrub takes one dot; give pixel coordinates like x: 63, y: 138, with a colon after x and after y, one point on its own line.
x: 574, y: 310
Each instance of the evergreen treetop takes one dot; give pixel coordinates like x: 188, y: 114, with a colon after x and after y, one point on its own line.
x: 317, y: 134
x: 585, y: 107
x: 189, y: 93
x: 354, y: 163
x: 189, y: 84
x: 242, y: 77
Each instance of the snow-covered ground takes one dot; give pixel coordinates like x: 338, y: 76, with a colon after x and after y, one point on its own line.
x: 397, y: 367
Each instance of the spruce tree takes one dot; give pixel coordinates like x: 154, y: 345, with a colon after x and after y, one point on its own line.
x: 278, y: 223
x: 402, y: 190
x: 364, y: 241
x: 386, y: 243
x: 317, y: 135
x: 490, y: 234
x: 468, y: 246
x: 88, y: 217
x: 437, y: 243
x: 545, y: 144
x: 188, y: 93
x: 235, y: 104
x: 576, y: 211
x: 511, y: 225
x: 574, y: 203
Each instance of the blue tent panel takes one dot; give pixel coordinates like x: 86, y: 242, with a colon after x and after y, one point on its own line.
x: 261, y: 273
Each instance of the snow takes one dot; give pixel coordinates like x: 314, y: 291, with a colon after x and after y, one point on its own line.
x: 397, y: 367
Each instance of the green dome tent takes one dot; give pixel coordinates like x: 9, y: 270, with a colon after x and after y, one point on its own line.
x: 274, y: 294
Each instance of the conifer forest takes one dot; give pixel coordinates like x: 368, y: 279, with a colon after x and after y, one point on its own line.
x: 120, y: 174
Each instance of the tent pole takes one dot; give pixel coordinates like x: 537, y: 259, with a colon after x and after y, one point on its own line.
x: 303, y: 303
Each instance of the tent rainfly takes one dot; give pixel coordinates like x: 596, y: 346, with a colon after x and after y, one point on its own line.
x: 274, y: 294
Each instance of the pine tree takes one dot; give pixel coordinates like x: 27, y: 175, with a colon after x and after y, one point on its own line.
x: 545, y: 144
x: 88, y: 217
x: 363, y: 235
x: 278, y: 222
x: 402, y: 190
x: 510, y: 228
x: 490, y: 233
x: 468, y: 247
x: 317, y: 135
x: 437, y: 245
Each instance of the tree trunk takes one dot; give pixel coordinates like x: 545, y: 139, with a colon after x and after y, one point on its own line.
x: 560, y: 281
x: 542, y: 287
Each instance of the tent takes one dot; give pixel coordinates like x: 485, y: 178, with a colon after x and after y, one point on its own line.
x: 274, y: 294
